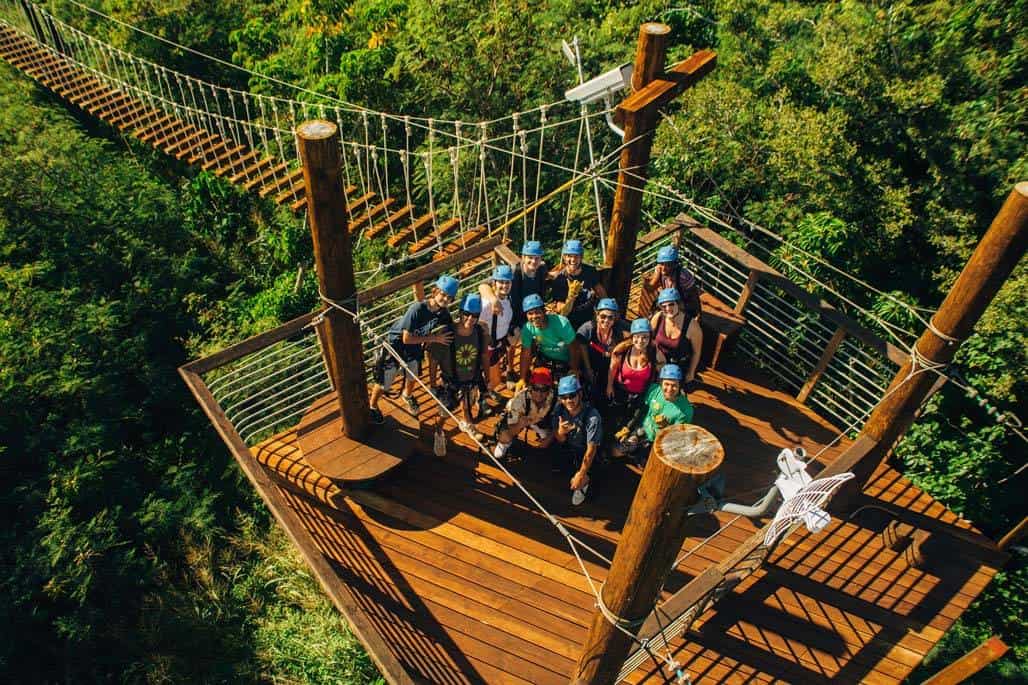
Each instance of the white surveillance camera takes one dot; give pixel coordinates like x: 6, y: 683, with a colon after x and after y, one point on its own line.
x: 601, y: 86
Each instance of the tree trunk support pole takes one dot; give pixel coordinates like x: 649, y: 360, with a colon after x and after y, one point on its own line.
x: 635, y: 157
x: 993, y: 260
x: 683, y: 458
x: 326, y: 212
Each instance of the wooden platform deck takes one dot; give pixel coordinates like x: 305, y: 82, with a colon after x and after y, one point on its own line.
x: 450, y: 576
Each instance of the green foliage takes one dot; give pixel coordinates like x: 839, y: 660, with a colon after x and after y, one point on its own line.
x: 881, y: 137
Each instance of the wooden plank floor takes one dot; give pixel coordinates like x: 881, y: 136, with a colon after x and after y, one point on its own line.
x: 470, y: 585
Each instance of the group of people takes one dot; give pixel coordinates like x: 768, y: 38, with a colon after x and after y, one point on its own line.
x: 587, y: 381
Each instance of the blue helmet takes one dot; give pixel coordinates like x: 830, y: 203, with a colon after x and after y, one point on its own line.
x: 532, y: 248
x: 607, y: 303
x: 471, y: 304
x: 668, y: 295
x: 568, y: 385
x: 530, y: 302
x: 573, y: 247
x: 640, y: 326
x: 667, y: 254
x: 503, y: 272
x: 671, y: 372
x: 449, y: 285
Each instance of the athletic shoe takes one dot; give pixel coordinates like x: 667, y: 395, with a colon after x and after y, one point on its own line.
x: 500, y: 451
x: 578, y: 496
x: 375, y: 417
x: 412, y: 404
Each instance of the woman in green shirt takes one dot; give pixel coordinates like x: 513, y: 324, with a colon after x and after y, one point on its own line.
x: 663, y: 405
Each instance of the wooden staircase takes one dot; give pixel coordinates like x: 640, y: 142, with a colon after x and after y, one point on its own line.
x: 268, y: 176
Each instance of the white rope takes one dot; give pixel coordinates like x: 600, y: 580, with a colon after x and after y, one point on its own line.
x: 539, y: 166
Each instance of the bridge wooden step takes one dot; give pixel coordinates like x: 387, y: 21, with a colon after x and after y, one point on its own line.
x: 90, y: 97
x: 114, y: 109
x: 238, y: 162
x: 146, y: 114
x: 393, y: 219
x: 153, y: 125
x: 47, y: 69
x: 223, y: 158
x: 154, y: 133
x: 444, y: 230
x: 364, y: 199
x: 175, y: 136
x: 267, y: 175
x: 290, y: 193
x: 124, y: 113
x: 457, y: 244
x: 209, y: 152
x: 191, y: 146
x: 358, y: 222
x: 419, y: 224
x: 116, y: 99
x: 280, y: 184
x: 252, y: 170
x: 189, y: 141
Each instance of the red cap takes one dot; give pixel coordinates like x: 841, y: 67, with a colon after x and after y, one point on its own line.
x: 541, y: 376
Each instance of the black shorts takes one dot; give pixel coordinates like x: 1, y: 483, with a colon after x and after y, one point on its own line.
x: 498, y: 351
x: 387, y: 368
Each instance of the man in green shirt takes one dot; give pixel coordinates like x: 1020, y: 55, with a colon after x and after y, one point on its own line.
x: 663, y: 405
x: 549, y: 338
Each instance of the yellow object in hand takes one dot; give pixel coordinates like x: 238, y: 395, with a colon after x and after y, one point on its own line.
x: 660, y: 420
x: 622, y: 434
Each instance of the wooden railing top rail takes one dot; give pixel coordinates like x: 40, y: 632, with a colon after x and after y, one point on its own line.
x: 290, y: 328
x: 768, y: 274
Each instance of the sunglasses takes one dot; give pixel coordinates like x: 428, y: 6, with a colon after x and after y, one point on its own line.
x: 540, y: 388
x: 572, y: 396
x: 605, y: 317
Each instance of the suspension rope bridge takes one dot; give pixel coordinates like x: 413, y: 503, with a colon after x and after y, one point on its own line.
x: 425, y: 185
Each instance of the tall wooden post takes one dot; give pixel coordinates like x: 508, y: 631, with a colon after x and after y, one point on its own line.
x: 635, y: 160
x: 682, y: 459
x: 326, y: 212
x: 993, y: 260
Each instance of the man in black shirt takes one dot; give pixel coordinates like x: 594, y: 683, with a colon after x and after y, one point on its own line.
x: 407, y: 335
x: 576, y: 286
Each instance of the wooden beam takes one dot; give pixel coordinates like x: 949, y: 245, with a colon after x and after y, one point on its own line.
x: 822, y: 364
x: 660, y: 92
x: 971, y: 663
x: 683, y: 458
x: 639, y: 128
x: 1015, y: 535
x: 318, y: 143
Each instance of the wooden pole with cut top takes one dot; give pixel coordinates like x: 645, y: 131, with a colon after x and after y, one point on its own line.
x: 683, y: 458
x: 994, y: 259
x: 318, y: 143
x: 652, y: 88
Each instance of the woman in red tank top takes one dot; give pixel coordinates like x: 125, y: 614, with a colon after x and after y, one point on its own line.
x: 678, y: 337
x: 632, y: 367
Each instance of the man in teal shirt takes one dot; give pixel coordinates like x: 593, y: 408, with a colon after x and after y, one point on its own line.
x: 549, y: 338
x: 664, y: 405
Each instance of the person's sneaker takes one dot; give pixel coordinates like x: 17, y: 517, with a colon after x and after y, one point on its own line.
x: 578, y: 496
x: 500, y: 451
x: 375, y: 416
x: 412, y: 404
